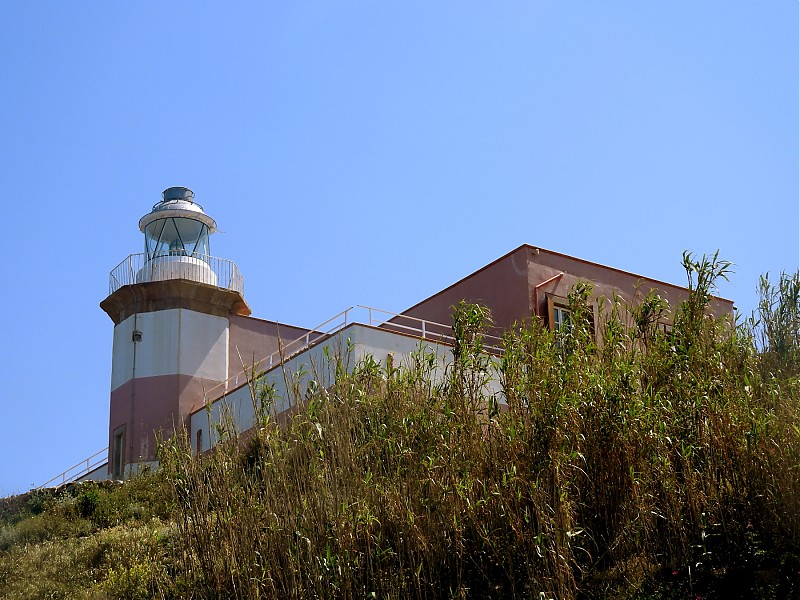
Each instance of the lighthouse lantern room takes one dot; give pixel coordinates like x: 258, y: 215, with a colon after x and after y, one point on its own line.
x: 176, y: 242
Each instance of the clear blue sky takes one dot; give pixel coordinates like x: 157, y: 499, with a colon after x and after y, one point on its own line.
x: 373, y: 153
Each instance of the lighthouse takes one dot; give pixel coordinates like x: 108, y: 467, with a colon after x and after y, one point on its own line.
x: 172, y: 307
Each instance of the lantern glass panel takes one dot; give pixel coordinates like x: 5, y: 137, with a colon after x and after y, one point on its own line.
x: 176, y: 236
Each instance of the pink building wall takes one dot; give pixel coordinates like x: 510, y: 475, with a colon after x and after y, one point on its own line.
x: 516, y: 287
x: 256, y: 339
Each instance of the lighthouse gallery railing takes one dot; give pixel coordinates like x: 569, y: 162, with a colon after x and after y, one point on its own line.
x: 139, y: 268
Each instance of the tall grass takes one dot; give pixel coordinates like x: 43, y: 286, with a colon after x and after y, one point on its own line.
x: 628, y: 453
x: 625, y: 458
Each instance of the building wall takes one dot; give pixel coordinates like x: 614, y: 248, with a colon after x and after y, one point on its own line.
x: 351, y: 344
x: 517, y: 285
x: 501, y: 285
x: 254, y: 339
x: 184, y: 358
x: 606, y: 281
x: 157, y: 381
x: 173, y: 342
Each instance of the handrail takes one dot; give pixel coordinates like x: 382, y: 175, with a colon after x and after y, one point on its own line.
x: 286, y: 351
x: 425, y: 327
x: 141, y: 268
x: 425, y: 330
x: 87, y: 467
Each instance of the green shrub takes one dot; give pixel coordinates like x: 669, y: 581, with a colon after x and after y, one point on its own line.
x: 130, y: 583
x: 88, y: 499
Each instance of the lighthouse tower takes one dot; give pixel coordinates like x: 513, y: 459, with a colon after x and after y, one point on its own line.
x: 171, y: 306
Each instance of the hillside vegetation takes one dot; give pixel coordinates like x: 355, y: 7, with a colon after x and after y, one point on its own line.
x: 660, y: 463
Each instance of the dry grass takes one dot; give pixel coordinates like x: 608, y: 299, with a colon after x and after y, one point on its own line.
x: 656, y: 465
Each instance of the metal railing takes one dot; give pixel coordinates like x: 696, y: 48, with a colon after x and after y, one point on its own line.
x: 78, y: 470
x: 321, y: 332
x: 374, y: 317
x: 423, y: 328
x: 139, y: 268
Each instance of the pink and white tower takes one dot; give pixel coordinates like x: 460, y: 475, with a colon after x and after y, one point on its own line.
x: 171, y: 306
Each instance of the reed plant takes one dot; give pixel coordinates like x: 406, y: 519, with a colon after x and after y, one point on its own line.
x: 621, y: 457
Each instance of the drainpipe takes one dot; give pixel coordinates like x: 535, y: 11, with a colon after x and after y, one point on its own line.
x: 128, y: 451
x: 536, y: 291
